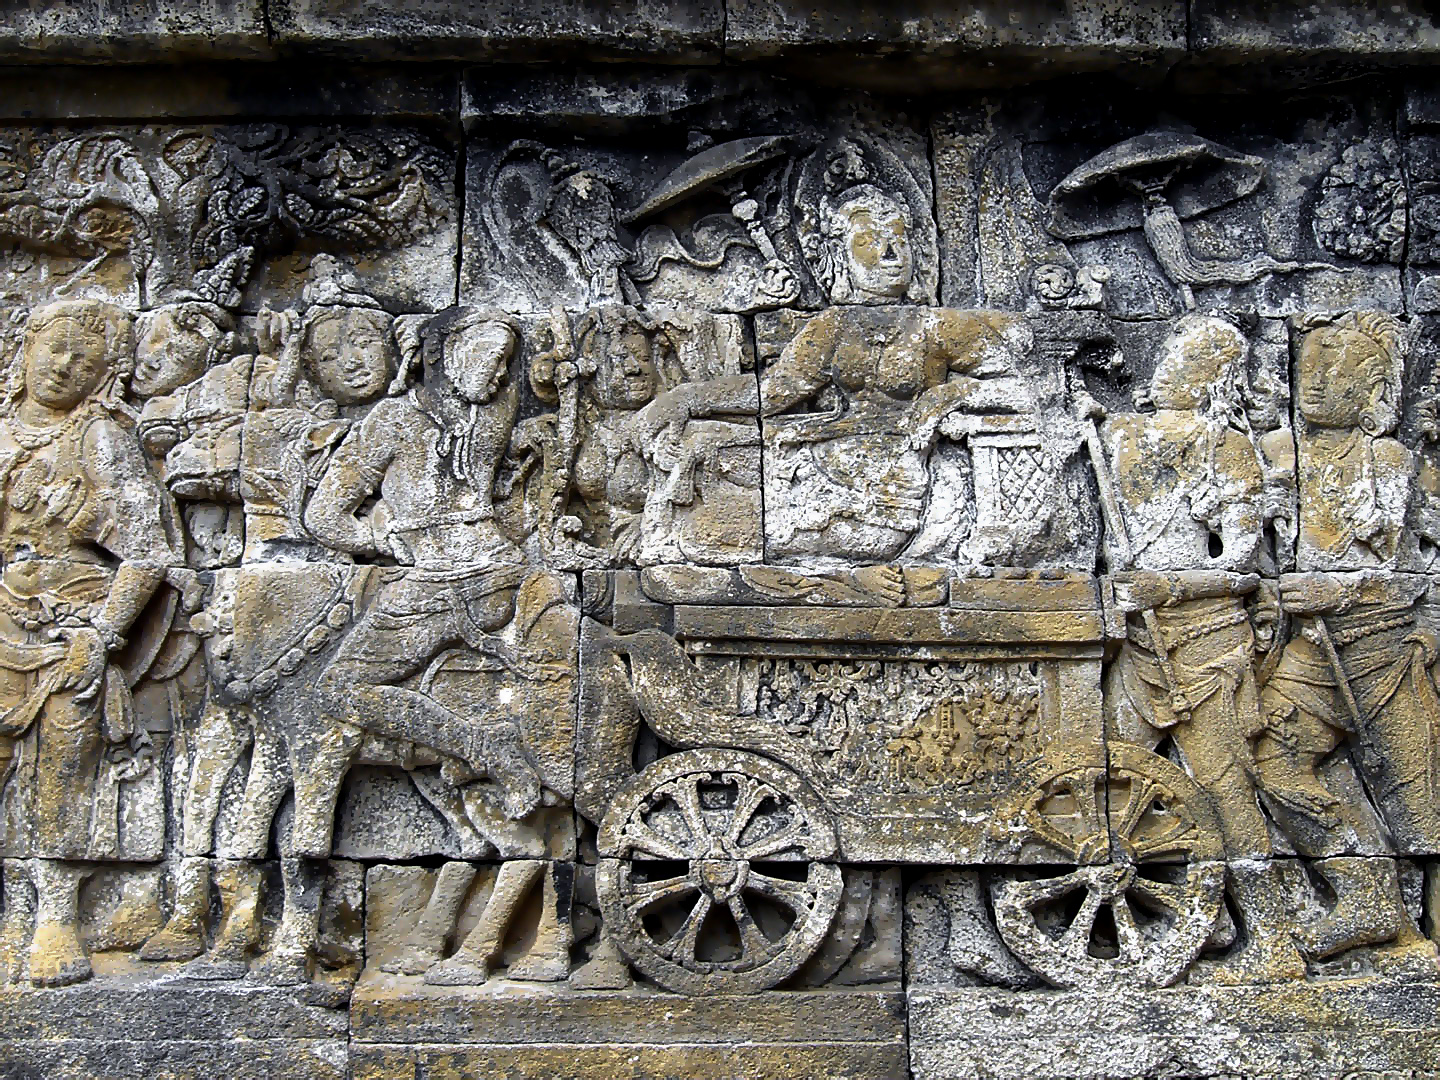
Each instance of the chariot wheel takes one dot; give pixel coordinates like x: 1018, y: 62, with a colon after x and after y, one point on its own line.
x: 1147, y: 894
x: 712, y: 877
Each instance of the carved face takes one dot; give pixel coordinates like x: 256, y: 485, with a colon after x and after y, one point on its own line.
x: 64, y: 363
x: 350, y: 353
x: 1335, y: 368
x: 476, y: 360
x: 1187, y: 368
x: 625, y: 375
x: 167, y: 355
x: 877, y: 247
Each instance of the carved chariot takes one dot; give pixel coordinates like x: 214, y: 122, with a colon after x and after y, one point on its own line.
x: 966, y: 733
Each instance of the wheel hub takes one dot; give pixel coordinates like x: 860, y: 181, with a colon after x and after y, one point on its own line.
x: 720, y: 879
x: 1112, y: 880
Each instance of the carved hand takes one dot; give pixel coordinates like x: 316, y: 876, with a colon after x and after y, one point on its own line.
x: 1142, y: 590
x: 1313, y: 594
x: 84, y: 663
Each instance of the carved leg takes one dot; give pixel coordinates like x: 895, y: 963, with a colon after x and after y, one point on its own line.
x: 505, y: 761
x: 607, y: 968
x: 216, y: 748
x: 1368, y: 908
x: 183, y: 935
x: 19, y: 918
x: 609, y: 721
x: 287, y: 962
x: 1269, y: 953
x: 425, y: 944
x: 880, y: 959
x: 239, y: 933
x: 56, y: 956
x: 1218, y: 766
x: 265, y: 788
x: 320, y: 760
x: 452, y: 806
x: 512, y: 839
x: 470, y: 966
x: 974, y: 944
x: 549, y: 958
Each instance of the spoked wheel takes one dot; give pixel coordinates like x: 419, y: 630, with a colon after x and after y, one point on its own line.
x: 1144, y: 907
x: 710, y: 878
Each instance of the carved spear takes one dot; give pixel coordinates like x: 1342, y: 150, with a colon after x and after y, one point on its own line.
x: 1122, y: 556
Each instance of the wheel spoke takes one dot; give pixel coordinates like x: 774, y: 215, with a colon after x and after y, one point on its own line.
x: 791, y: 836
x: 1030, y: 894
x: 683, y: 943
x: 1088, y: 801
x: 752, y: 941
x: 639, y: 838
x: 1142, y: 791
x: 1128, y: 937
x: 646, y: 894
x: 1076, y: 938
x: 1161, y: 894
x: 1173, y: 841
x: 686, y: 793
x: 751, y: 794
x: 795, y: 895
x: 1053, y: 837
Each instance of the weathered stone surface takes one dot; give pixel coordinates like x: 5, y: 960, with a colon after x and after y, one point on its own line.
x: 146, y: 93
x: 154, y: 31
x: 503, y: 30
x: 917, y: 45
x: 1231, y: 31
x: 131, y: 1020
x: 402, y: 1028
x: 1368, y: 1027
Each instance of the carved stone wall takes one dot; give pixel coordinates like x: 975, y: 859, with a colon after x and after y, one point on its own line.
x: 719, y: 540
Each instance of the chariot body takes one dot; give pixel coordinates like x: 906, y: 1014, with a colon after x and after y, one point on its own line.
x: 785, y: 727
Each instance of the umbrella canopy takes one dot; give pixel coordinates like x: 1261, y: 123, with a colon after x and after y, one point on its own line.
x: 709, y: 167
x: 1195, y: 174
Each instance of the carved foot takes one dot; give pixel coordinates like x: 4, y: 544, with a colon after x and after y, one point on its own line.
x: 13, y: 932
x: 539, y: 969
x: 521, y: 801
x: 282, y: 967
x: 462, y: 969
x: 1368, y: 907
x: 1261, y: 962
x: 173, y: 942
x: 56, y: 956
x: 134, y: 922
x: 215, y: 969
x: 605, y: 970
x: 415, y: 960
x: 1412, y: 960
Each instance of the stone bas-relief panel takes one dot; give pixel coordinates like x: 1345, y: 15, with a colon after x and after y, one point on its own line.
x: 699, y: 612
x: 1144, y: 207
x: 822, y: 211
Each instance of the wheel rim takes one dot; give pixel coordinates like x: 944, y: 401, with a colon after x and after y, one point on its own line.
x: 710, y: 880
x: 1145, y: 908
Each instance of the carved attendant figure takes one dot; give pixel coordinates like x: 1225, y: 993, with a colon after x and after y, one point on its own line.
x: 634, y: 431
x: 85, y: 538
x: 1359, y: 667
x: 431, y: 457
x: 1189, y: 484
